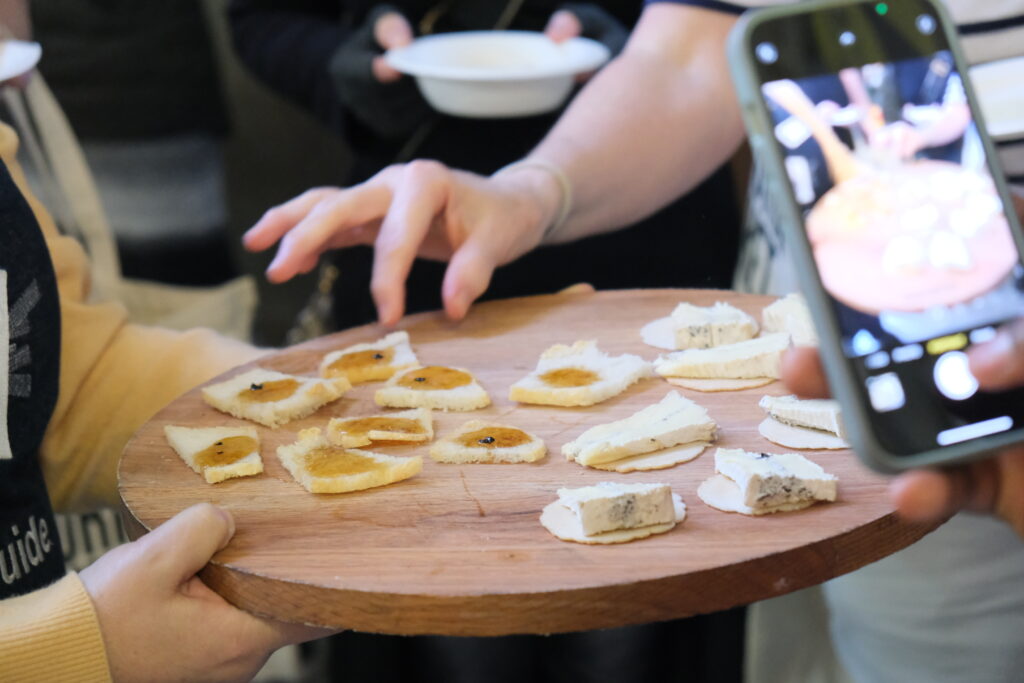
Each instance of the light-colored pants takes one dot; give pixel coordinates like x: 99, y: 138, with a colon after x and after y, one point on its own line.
x: 950, y: 608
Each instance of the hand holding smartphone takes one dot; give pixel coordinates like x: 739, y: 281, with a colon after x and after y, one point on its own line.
x: 897, y: 213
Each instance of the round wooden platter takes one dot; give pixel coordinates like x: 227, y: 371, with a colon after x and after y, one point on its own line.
x: 458, y: 549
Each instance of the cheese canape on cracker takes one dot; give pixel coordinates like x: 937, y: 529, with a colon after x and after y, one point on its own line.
x: 578, y: 375
x: 322, y: 467
x: 763, y: 483
x: 795, y: 423
x: 414, y: 425
x: 611, y: 512
x: 661, y: 435
x: 479, y: 441
x: 217, y: 453
x: 372, y: 361
x: 700, y: 327
x: 434, y: 386
x: 791, y: 315
x: 273, y: 398
x: 744, y: 365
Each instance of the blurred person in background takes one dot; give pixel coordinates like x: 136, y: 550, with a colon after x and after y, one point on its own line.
x: 140, y: 87
x: 326, y: 56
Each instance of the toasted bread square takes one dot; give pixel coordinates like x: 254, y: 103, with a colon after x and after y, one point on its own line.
x: 322, y: 467
x: 273, y: 398
x: 407, y: 425
x: 488, y: 442
x: 369, y: 362
x: 217, y: 453
x: 434, y: 386
x: 578, y: 375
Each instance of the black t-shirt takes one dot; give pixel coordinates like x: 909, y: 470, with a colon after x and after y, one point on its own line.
x: 30, y: 554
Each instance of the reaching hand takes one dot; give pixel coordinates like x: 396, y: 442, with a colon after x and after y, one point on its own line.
x: 159, y: 620
x: 421, y: 209
x: 994, y: 485
x: 390, y: 30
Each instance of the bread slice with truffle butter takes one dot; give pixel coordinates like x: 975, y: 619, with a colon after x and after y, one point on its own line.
x: 373, y: 361
x: 436, y: 387
x: 217, y: 453
x: 322, y: 467
x: 578, y: 375
x: 273, y: 398
x: 483, y: 441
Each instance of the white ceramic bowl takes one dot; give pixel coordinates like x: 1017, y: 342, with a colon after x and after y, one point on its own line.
x: 489, y: 74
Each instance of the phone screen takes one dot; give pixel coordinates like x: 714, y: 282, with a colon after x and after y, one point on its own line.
x: 908, y: 232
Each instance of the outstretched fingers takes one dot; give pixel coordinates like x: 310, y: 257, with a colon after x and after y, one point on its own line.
x: 419, y: 196
x: 334, y: 221
x: 278, y: 220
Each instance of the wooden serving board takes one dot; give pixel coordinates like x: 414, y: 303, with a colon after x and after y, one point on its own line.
x: 458, y: 549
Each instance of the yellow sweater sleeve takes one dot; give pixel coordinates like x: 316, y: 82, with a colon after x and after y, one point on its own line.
x: 113, y: 377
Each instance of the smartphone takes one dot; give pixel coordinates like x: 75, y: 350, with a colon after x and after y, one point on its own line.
x: 895, y: 209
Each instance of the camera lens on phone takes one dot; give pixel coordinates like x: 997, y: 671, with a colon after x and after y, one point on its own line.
x: 767, y: 53
x: 926, y: 24
x: 847, y: 38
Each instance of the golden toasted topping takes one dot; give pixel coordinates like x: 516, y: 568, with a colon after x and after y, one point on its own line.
x: 569, y: 377
x: 362, y: 425
x: 268, y: 392
x: 435, y: 377
x: 362, y: 359
x: 228, y: 450
x: 494, y: 437
x: 333, y: 462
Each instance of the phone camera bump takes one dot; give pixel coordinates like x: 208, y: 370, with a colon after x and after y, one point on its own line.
x: 767, y: 53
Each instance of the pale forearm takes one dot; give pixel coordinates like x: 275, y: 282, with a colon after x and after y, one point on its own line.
x: 651, y: 126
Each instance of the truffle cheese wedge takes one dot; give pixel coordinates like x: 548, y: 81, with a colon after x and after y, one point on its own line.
x: 674, y: 420
x: 612, y: 512
x: 754, y: 358
x: 763, y: 483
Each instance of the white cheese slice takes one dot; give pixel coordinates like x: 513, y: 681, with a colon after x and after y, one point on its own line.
x: 768, y: 480
x: 799, y: 437
x: 675, y: 420
x: 658, y: 460
x: 703, y: 327
x: 760, y: 357
x: 816, y: 413
x: 565, y: 525
x: 790, y: 314
x: 608, y: 506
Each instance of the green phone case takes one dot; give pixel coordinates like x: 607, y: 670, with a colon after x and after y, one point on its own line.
x: 838, y: 368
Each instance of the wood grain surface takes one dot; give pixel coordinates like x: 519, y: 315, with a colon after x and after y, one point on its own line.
x: 458, y: 549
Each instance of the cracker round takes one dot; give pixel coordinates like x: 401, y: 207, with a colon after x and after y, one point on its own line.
x: 722, y: 493
x: 659, y: 460
x: 660, y: 334
x: 799, y: 437
x: 565, y: 525
x: 719, y: 384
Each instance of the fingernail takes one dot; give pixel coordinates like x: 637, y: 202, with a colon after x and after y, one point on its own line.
x: 230, y: 522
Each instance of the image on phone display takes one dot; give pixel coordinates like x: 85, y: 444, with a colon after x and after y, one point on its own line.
x: 909, y: 235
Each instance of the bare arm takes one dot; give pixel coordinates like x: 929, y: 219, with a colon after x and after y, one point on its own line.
x: 650, y: 126
x: 646, y: 129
